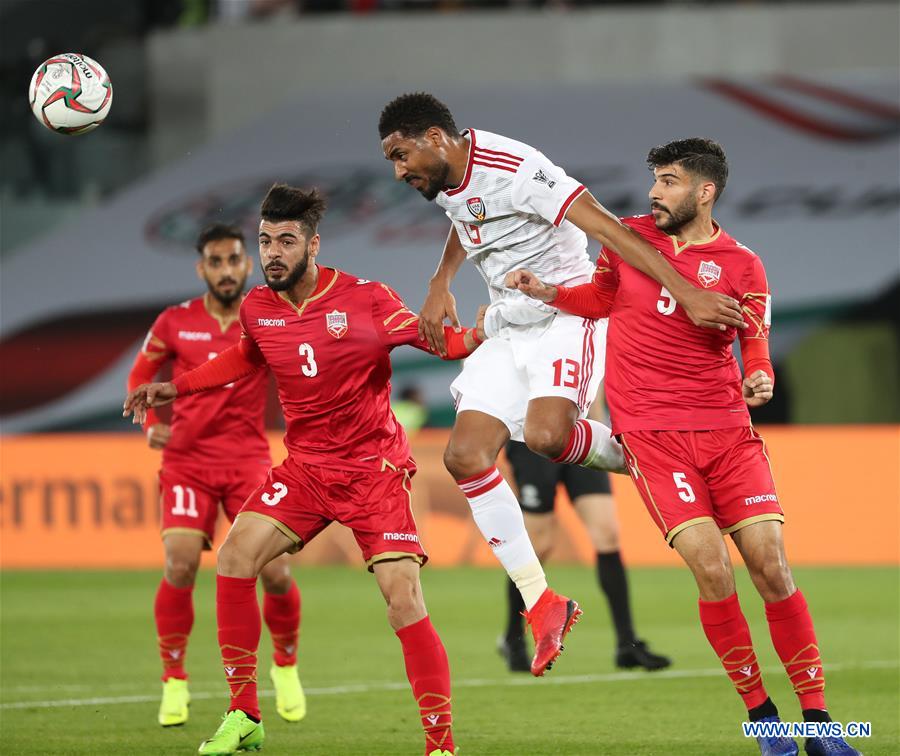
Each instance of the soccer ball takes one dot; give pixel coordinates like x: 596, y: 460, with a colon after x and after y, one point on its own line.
x: 70, y: 94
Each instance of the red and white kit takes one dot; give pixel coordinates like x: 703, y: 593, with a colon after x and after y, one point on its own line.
x: 349, y: 459
x: 509, y: 212
x: 202, y: 464
x: 674, y: 390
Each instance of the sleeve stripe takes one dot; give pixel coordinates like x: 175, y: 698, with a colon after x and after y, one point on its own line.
x: 394, y: 315
x: 404, y: 324
x: 498, y: 166
x: 565, y: 206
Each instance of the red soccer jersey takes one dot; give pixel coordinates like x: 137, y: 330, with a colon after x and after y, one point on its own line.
x: 331, y: 358
x: 223, y: 425
x: 662, y: 371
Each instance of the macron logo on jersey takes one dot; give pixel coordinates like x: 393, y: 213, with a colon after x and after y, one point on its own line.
x: 195, y: 335
x: 277, y: 322
x: 760, y: 499
x: 411, y: 537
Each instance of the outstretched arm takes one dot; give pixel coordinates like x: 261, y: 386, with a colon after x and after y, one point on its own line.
x: 399, y: 325
x: 439, y: 302
x: 704, y: 308
x: 234, y: 363
x: 589, y: 300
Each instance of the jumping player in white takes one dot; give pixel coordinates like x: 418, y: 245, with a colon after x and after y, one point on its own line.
x: 511, y: 207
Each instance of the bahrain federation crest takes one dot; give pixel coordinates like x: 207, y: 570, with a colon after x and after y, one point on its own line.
x: 476, y: 207
x: 709, y: 273
x: 336, y: 323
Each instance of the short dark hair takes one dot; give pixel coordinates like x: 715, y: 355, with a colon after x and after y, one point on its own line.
x: 289, y: 203
x: 413, y: 114
x: 218, y: 231
x: 700, y: 156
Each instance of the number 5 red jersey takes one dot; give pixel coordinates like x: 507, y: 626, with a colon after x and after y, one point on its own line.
x: 662, y: 371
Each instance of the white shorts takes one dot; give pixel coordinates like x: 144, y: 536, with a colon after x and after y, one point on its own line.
x: 564, y: 356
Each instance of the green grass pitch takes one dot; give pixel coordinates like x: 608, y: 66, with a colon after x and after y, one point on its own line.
x: 79, y: 672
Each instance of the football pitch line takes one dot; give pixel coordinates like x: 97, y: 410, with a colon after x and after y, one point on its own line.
x: 611, y: 677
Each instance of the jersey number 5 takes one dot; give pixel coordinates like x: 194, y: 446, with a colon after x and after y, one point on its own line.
x: 665, y: 305
x: 308, y: 367
x: 685, y: 492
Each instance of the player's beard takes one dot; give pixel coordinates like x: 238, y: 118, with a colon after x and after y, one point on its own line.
x: 435, y: 182
x: 290, y: 280
x: 677, y: 217
x: 226, y: 299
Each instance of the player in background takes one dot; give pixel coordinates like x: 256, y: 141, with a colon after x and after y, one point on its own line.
x: 589, y: 491
x: 327, y: 338
x: 680, y: 407
x: 203, y: 467
x: 510, y: 207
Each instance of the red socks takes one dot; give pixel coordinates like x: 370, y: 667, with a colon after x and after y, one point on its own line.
x: 237, y: 611
x: 794, y: 639
x: 728, y: 634
x: 174, y: 612
x: 282, y: 615
x: 429, y: 675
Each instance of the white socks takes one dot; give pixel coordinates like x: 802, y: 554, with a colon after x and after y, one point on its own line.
x: 499, y: 518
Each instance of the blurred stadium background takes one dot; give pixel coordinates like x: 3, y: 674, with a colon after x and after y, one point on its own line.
x: 216, y: 99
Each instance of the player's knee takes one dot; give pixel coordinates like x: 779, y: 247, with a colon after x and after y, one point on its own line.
x: 234, y: 561
x: 277, y: 581
x: 775, y: 581
x: 181, y: 571
x: 605, y: 539
x: 404, y: 604
x: 715, y: 578
x: 463, y: 460
x: 546, y: 441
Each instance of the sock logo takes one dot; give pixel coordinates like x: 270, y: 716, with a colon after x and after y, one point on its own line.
x: 495, y: 542
x: 175, y: 653
x: 433, y: 718
x: 748, y: 670
x: 288, y: 649
x: 812, y: 672
x: 230, y: 671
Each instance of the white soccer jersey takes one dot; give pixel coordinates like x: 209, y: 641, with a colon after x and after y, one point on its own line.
x: 509, y: 212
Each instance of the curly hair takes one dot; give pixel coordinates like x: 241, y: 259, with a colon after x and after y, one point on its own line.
x: 413, y: 114
x: 702, y: 157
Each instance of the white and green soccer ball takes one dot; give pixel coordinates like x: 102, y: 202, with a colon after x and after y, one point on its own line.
x: 70, y: 93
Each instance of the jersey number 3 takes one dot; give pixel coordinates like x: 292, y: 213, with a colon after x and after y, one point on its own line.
x: 308, y: 367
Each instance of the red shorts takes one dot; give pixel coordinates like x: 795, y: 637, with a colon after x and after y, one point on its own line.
x: 190, y: 495
x: 301, y: 499
x: 687, y: 477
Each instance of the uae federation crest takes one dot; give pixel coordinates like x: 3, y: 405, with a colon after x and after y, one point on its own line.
x: 709, y: 273
x: 336, y: 323
x: 476, y: 207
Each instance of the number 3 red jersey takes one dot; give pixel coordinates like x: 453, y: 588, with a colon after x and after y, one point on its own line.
x: 662, y: 371
x: 331, y: 358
